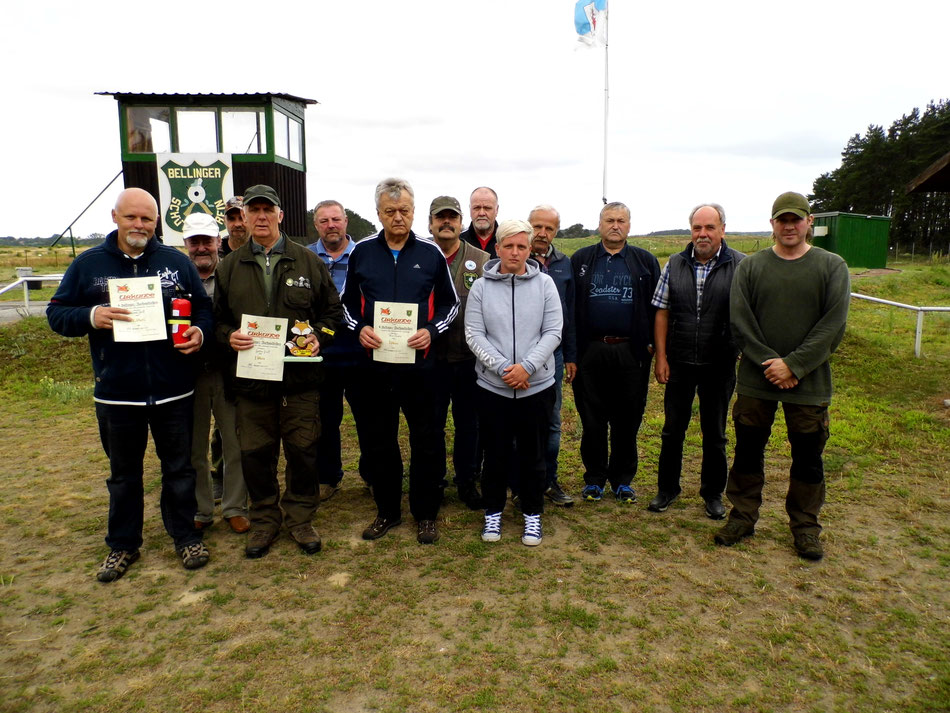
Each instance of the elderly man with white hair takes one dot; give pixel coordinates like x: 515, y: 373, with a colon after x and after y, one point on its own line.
x: 513, y: 323
x: 396, y: 270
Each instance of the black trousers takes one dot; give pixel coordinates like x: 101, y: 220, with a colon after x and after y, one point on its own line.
x: 455, y: 382
x: 515, y: 430
x: 339, y: 382
x: 715, y: 384
x: 412, y: 391
x: 610, y: 392
x: 123, y: 431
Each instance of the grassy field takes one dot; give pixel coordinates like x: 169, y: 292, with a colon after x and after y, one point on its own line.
x: 618, y: 610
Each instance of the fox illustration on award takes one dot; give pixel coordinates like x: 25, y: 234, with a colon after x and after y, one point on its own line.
x: 299, y: 345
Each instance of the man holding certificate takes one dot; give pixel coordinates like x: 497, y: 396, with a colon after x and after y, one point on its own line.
x: 120, y: 293
x: 272, y: 291
x: 398, y: 298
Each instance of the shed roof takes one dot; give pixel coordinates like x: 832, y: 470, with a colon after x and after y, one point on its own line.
x: 177, y: 98
x: 936, y: 177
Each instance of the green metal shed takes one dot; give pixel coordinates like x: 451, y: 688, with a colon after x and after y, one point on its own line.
x: 860, y: 239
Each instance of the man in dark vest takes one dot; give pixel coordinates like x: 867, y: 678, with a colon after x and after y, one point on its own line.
x: 695, y: 354
x: 454, y: 362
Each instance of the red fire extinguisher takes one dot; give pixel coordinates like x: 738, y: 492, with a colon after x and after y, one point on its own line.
x: 180, y: 318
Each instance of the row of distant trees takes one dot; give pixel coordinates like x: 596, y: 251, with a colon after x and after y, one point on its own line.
x: 877, y: 166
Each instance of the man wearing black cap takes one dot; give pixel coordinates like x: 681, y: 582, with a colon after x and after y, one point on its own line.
x: 788, y: 307
x: 273, y: 276
x: 234, y: 222
x: 454, y: 361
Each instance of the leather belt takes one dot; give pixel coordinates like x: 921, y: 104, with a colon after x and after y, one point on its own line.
x: 613, y: 340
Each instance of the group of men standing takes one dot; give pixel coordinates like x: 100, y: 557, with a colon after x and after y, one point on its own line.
x: 782, y: 309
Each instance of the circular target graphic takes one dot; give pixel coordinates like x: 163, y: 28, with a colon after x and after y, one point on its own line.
x: 196, y: 194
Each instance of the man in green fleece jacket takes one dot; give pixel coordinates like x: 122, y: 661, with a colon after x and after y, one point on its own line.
x: 788, y: 309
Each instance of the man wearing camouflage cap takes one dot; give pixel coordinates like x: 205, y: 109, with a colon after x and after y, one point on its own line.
x: 454, y: 362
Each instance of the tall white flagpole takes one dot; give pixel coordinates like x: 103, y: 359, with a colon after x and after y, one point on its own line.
x: 606, y: 95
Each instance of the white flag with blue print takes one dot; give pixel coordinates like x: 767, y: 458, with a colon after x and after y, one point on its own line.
x: 590, y: 20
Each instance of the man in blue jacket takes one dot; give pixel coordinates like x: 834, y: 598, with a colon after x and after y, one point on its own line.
x: 344, y: 361
x: 545, y: 222
x: 409, y: 274
x: 142, y: 385
x: 695, y: 354
x: 614, y: 282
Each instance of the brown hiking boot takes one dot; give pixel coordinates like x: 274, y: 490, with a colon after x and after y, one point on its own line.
x: 808, y: 546
x: 428, y: 532
x: 379, y: 527
x: 733, y: 532
x: 306, y: 538
x: 258, y: 542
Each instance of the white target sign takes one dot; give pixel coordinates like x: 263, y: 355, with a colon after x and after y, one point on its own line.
x: 190, y: 183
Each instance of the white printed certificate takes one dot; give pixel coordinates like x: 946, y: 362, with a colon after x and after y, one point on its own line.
x: 394, y: 323
x: 142, y: 296
x: 265, y: 360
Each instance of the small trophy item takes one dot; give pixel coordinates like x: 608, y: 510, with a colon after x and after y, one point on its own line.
x: 298, y: 346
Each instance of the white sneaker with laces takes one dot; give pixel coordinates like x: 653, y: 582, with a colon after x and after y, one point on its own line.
x: 532, y: 530
x: 492, y: 529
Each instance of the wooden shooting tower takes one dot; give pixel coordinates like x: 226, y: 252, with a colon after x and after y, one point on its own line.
x: 264, y: 133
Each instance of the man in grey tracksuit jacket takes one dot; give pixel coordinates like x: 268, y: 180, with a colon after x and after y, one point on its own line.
x: 509, y: 320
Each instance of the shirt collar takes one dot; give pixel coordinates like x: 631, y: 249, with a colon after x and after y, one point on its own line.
x: 258, y: 249
x: 322, y: 250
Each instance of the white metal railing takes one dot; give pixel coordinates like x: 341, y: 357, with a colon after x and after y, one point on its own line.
x: 25, y: 281
x: 915, y: 308
x: 919, y: 310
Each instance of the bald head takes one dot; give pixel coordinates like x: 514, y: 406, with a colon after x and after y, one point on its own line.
x: 136, y: 215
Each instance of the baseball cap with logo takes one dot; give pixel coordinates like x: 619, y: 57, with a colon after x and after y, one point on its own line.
x: 261, y: 192
x: 791, y: 202
x: 235, y: 203
x: 444, y: 203
x: 200, y: 224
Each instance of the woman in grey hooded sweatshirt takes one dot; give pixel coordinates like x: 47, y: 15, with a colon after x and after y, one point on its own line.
x: 513, y: 325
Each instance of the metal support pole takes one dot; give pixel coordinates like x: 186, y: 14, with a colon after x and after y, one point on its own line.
x: 920, y: 331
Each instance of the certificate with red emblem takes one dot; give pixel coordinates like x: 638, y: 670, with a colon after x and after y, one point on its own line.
x: 265, y: 360
x: 142, y: 297
x: 394, y: 323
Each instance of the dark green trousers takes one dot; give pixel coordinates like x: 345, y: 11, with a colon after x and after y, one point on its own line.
x: 807, y: 433
x: 262, y: 425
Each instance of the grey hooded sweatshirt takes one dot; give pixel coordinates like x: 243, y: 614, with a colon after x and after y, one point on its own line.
x: 513, y: 319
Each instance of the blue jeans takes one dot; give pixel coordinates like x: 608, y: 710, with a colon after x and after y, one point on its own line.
x: 554, y: 427
x: 123, y: 431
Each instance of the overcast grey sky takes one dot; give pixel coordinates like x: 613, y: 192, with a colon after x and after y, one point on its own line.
x: 732, y: 102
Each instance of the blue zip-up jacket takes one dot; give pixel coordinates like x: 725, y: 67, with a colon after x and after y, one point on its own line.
x: 131, y: 373
x: 420, y: 275
x: 560, y: 270
x: 345, y: 349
